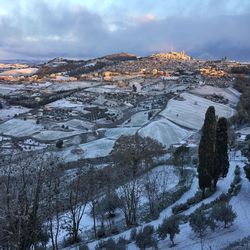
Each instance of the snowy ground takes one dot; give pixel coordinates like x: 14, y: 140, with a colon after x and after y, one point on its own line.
x: 20, y: 128
x: 97, y: 148
x: 221, y: 237
x: 77, y: 124
x: 106, y: 89
x: 29, y: 128
x: 191, y: 111
x: 52, y: 135
x: 244, y: 131
x: 10, y: 112
x: 166, y: 175
x: 228, y: 93
x: 63, y: 103
x: 72, y: 85
x: 166, y: 87
x: 165, y: 131
x: 139, y: 119
x: 7, y: 88
x: 115, y: 133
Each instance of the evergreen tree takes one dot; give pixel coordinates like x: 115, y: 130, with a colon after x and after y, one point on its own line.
x: 223, y: 212
x: 169, y: 226
x: 59, y: 143
x: 200, y: 221
x: 221, y: 163
x: 207, y: 150
x: 247, y: 171
x: 199, y: 224
x: 145, y: 238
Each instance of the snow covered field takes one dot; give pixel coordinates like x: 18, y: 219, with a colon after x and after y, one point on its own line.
x: 138, y: 119
x: 97, y: 148
x: 52, y: 135
x: 190, y: 112
x: 72, y: 85
x: 166, y: 87
x: 77, y: 124
x: 244, y: 131
x: 19, y: 72
x: 106, y: 89
x: 228, y: 93
x: 178, y: 121
x: 63, y: 103
x: 20, y: 128
x: 8, y: 88
x: 10, y: 112
x: 115, y: 133
x: 29, y: 128
x: 165, y: 131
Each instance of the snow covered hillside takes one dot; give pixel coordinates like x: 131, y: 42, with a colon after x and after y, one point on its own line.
x: 189, y: 112
x: 221, y: 237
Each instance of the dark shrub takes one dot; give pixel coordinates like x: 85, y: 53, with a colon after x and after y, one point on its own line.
x: 59, y: 144
x: 145, y: 238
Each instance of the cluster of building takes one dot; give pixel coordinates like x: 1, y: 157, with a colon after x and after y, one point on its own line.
x: 173, y: 56
x: 60, y: 77
x: 213, y: 72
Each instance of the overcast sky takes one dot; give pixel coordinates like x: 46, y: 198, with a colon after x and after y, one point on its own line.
x: 91, y: 28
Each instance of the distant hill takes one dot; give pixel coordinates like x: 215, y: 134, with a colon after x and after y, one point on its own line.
x: 120, y: 57
x: 23, y: 61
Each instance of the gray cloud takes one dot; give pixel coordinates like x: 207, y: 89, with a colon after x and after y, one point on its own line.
x: 45, y: 31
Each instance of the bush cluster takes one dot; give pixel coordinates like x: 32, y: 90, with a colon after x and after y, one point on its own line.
x: 179, y: 208
x: 111, y: 244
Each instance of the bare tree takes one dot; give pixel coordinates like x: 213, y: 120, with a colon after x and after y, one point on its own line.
x: 95, y: 183
x: 53, y: 204
x: 151, y: 189
x: 133, y: 155
x: 76, y: 202
x: 108, y: 205
x: 130, y: 194
x: 22, y: 194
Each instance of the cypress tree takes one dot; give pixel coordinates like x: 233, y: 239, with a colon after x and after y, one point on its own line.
x: 207, y: 150
x: 221, y: 163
